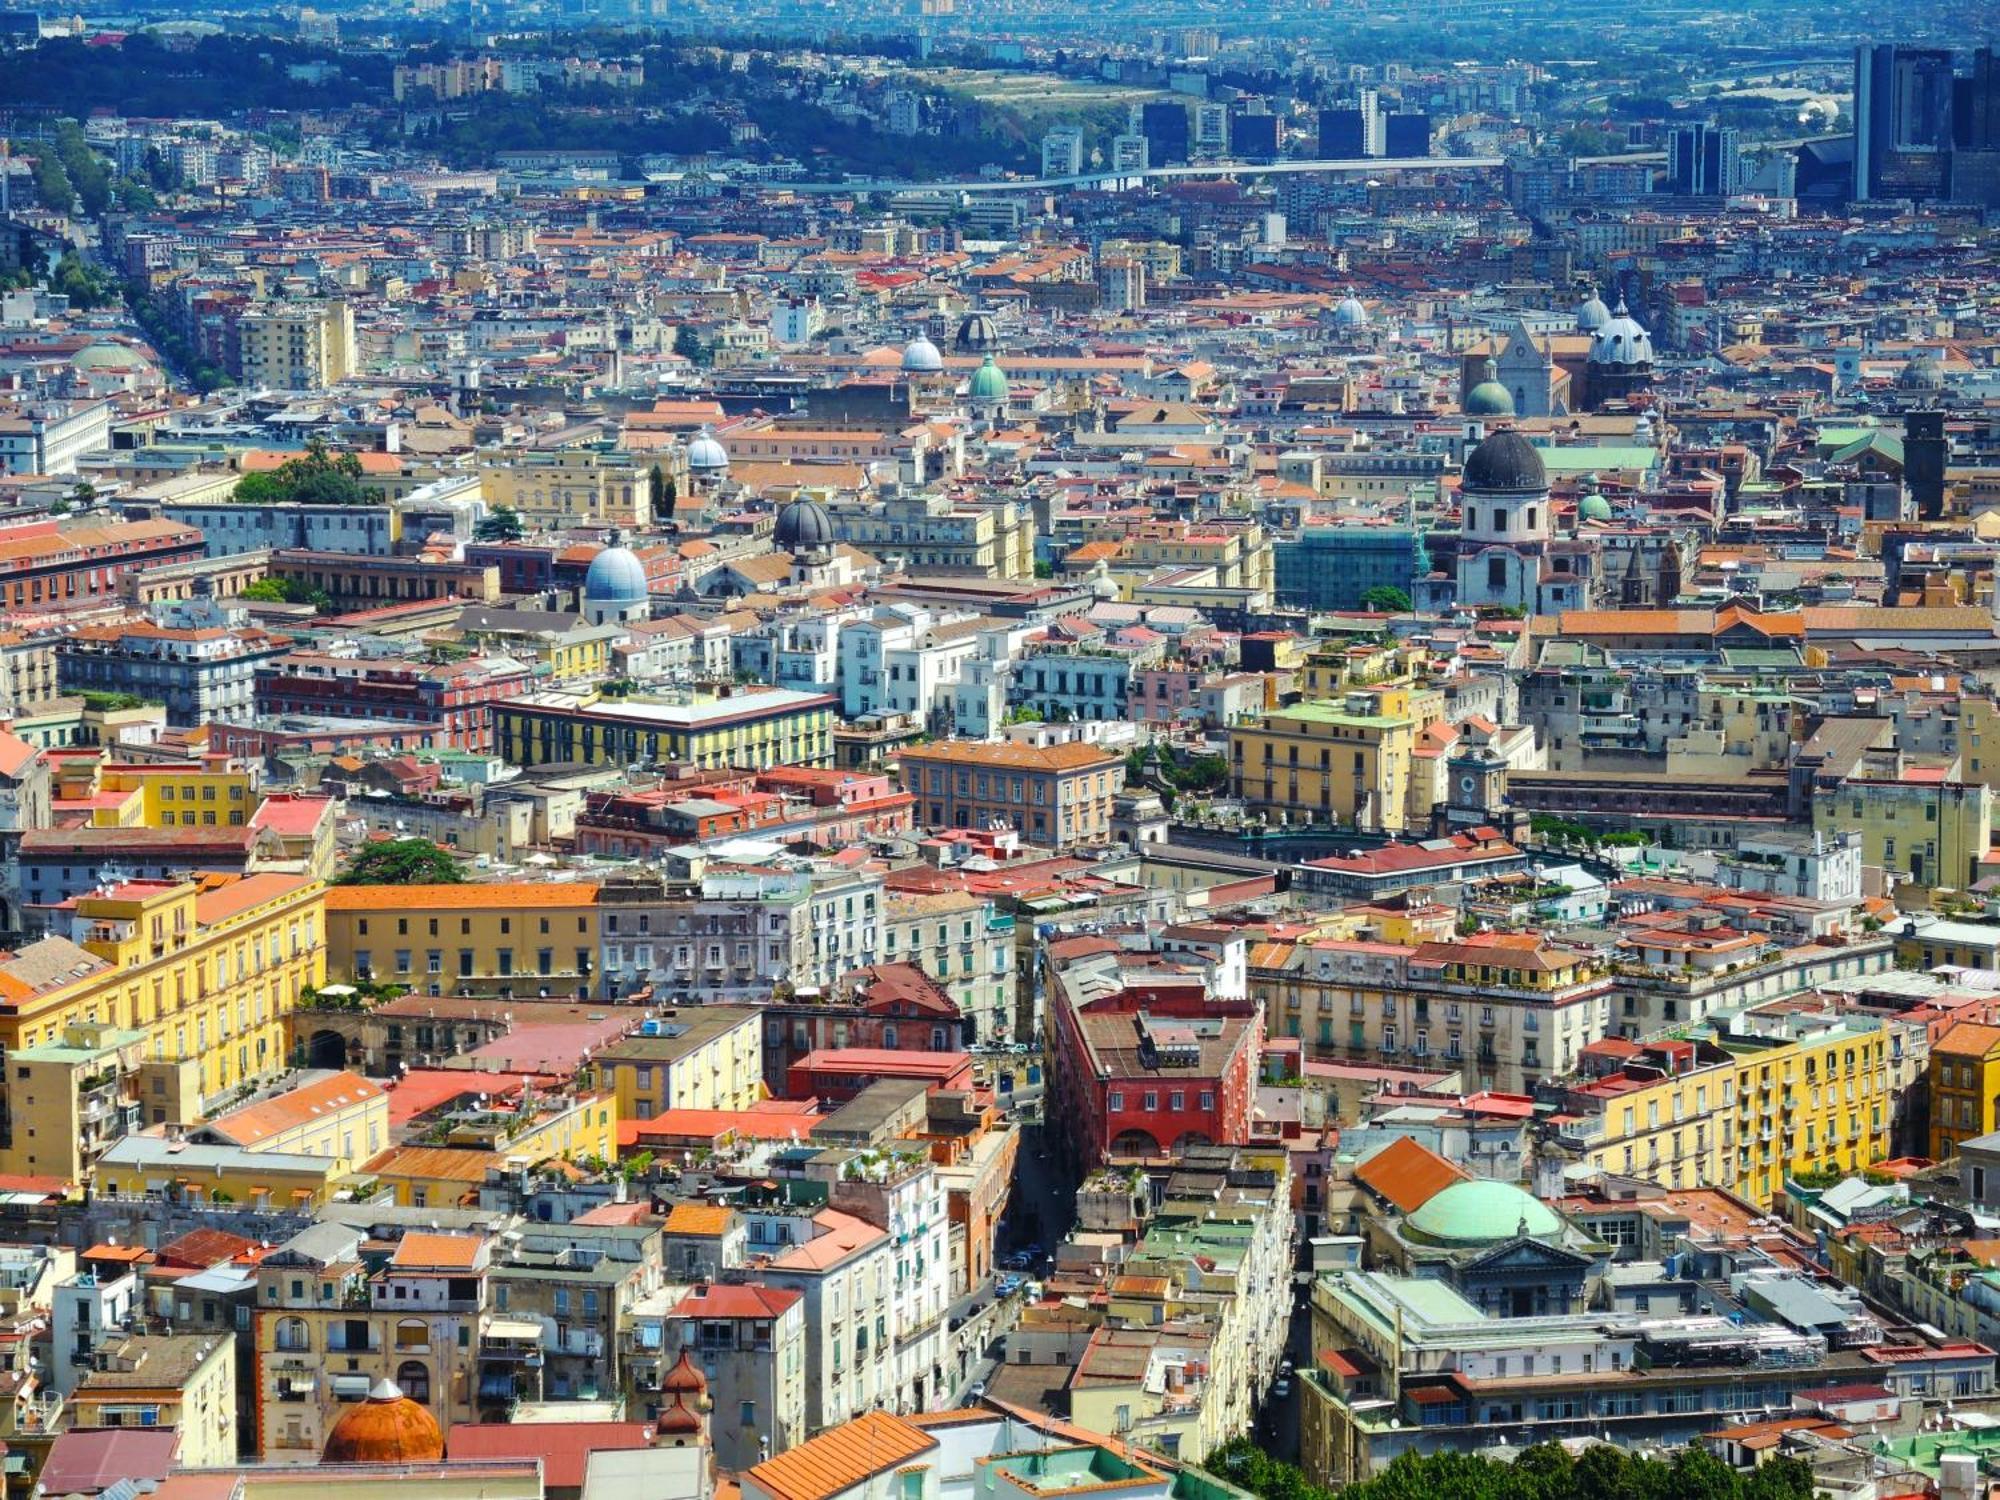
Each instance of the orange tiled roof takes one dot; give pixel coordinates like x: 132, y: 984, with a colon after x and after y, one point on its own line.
x: 1407, y: 1174
x: 873, y: 1443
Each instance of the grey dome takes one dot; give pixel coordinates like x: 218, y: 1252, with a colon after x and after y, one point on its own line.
x: 1592, y: 314
x: 616, y: 576
x: 804, y: 526
x: 1621, y: 341
x: 1349, y: 313
x: 706, y: 455
x: 921, y: 357
x: 1923, y: 373
x: 977, y: 334
x: 1506, y: 462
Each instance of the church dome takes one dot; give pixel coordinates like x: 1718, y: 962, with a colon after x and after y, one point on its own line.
x: 1489, y: 398
x: 616, y: 576
x: 804, y: 526
x: 1923, y: 373
x: 1593, y: 508
x: 1621, y: 341
x: 1503, y: 461
x: 387, y: 1428
x: 1592, y: 314
x: 1349, y: 313
x: 977, y: 334
x: 921, y: 357
x: 989, y: 382
x: 706, y: 455
x: 684, y: 1379
x: 1478, y: 1212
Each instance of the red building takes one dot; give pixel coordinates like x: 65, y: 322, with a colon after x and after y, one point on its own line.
x: 836, y: 1075
x: 452, y: 699
x: 893, y: 1007
x: 45, y: 565
x: 1144, y: 1062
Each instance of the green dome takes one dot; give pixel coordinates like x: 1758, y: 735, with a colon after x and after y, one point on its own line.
x: 1593, y: 508
x: 1481, y: 1213
x: 989, y: 382
x: 1489, y: 398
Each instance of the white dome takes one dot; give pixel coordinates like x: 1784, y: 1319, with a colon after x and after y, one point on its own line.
x: 706, y: 455
x: 616, y: 576
x: 1621, y: 341
x: 921, y: 357
x: 1592, y: 314
x: 1349, y: 313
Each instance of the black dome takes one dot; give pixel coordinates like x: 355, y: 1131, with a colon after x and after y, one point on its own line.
x: 1504, y: 461
x: 977, y: 334
x: 804, y: 526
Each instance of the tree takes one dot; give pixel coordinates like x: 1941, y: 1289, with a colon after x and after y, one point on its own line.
x: 663, y: 493
x: 316, y: 477
x: 287, y: 591
x: 1385, y: 600
x: 501, y: 524
x: 84, y: 285
x: 402, y: 862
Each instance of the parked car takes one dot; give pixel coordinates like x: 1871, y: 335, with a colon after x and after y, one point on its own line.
x: 1008, y: 1285
x: 1282, y: 1387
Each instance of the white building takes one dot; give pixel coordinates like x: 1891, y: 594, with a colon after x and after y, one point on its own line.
x: 50, y: 436
x: 1062, y: 152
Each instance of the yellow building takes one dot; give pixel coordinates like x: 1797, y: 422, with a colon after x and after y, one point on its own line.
x: 339, y: 1116
x: 1965, y: 1086
x: 750, y: 730
x: 1322, y: 761
x: 69, y: 1099
x: 159, y: 1169
x: 156, y: 796
x: 466, y: 1144
x: 185, y: 1382
x: 1676, y: 1130
x: 1239, y: 555
x: 707, y: 1057
x: 207, y: 970
x: 1811, y: 1096
x: 568, y: 487
x: 326, y: 1332
x: 1935, y: 831
x: 303, y: 346
x: 507, y: 939
x: 561, y: 648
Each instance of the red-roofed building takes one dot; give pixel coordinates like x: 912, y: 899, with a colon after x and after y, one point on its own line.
x: 838, y: 1074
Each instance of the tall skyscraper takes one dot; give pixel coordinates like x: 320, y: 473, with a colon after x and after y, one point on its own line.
x: 1702, y: 160
x: 1902, y: 121
x: 1164, y: 123
x: 1211, y: 130
x: 1349, y: 131
x: 1062, y: 152
x: 1254, y: 137
x: 1406, y: 133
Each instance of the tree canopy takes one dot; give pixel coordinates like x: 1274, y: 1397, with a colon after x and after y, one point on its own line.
x: 1384, y: 599
x: 501, y: 524
x: 316, y: 477
x: 1544, y: 1472
x: 402, y: 862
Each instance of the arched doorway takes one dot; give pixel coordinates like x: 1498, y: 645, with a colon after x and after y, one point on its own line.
x: 1135, y: 1143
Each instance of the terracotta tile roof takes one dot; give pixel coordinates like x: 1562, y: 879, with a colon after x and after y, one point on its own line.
x: 268, y: 1117
x: 1406, y: 1174
x: 697, y: 1218
x: 437, y: 1252
x: 563, y: 1447
x: 1070, y: 757
x: 841, y: 1457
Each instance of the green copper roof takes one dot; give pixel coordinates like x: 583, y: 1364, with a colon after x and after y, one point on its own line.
x: 1594, y: 508
x: 989, y: 382
x: 1481, y: 1213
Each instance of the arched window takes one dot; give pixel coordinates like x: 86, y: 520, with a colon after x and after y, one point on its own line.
x: 294, y: 1335
x: 413, y: 1377
x: 413, y: 1333
x: 1135, y: 1143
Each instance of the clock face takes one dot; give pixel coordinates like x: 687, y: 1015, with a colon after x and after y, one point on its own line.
x: 1467, y: 783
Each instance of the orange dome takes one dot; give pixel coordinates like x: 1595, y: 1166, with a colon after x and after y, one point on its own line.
x: 387, y: 1428
x: 684, y: 1378
x: 679, y: 1421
